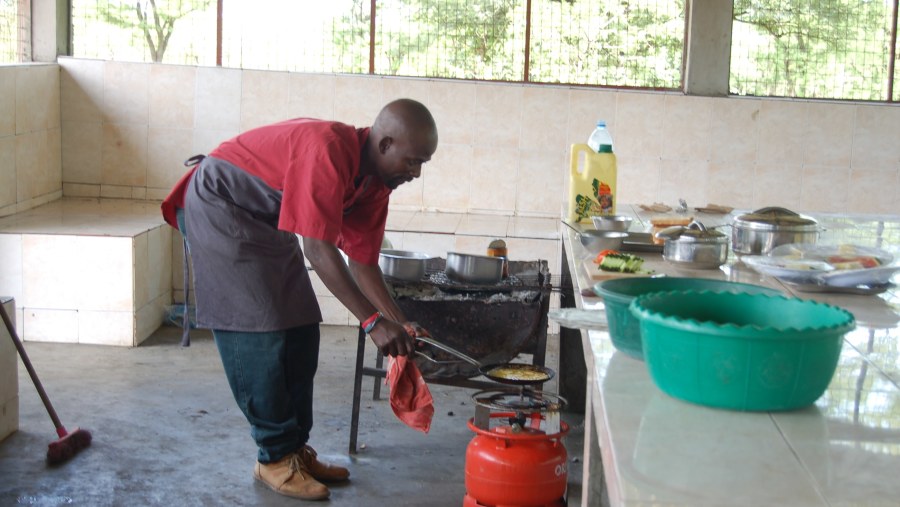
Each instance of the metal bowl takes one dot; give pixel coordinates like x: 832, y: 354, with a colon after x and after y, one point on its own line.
x: 403, y: 265
x: 470, y: 268
x: 597, y: 241
x: 619, y: 223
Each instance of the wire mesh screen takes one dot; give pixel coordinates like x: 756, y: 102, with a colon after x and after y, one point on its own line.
x: 466, y: 39
x: 168, y: 31
x: 638, y: 43
x: 812, y: 48
x: 15, y: 33
x: 311, y: 36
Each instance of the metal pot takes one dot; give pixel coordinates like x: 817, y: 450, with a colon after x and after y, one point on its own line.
x: 470, y: 268
x: 759, y: 232
x: 694, y: 246
x: 403, y: 265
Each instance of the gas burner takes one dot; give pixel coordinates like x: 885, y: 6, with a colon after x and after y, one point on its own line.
x: 519, y: 400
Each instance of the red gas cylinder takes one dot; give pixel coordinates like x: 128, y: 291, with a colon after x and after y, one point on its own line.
x: 514, y: 466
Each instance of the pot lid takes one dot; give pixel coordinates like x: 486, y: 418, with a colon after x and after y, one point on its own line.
x: 695, y: 232
x: 776, y: 218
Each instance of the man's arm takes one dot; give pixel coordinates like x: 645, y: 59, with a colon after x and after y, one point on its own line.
x: 389, y: 335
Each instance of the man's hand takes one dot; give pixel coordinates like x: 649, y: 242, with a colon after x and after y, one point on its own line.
x: 392, y: 338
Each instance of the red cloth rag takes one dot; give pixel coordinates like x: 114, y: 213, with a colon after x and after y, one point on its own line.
x: 411, y: 400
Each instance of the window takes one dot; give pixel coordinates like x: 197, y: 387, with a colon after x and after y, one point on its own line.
x: 15, y: 34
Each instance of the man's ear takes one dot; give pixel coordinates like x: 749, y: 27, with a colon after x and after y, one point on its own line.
x: 384, y: 144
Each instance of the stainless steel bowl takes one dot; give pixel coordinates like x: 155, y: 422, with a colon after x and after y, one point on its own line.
x: 694, y: 246
x: 611, y: 222
x: 597, y: 241
x: 403, y: 265
x: 470, y: 268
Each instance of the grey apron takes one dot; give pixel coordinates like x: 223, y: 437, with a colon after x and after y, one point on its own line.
x: 248, y: 275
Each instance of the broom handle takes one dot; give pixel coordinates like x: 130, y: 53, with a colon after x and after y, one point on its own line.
x: 60, y: 429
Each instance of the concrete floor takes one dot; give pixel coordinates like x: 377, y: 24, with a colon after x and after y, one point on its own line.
x: 167, y: 431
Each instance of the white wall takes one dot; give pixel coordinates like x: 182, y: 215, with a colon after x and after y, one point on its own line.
x: 503, y: 149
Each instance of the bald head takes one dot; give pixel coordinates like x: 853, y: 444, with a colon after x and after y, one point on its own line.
x: 404, y: 117
x: 403, y: 138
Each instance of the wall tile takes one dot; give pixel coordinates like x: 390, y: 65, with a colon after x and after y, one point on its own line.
x: 168, y: 148
x: 494, y: 226
x: 124, y: 155
x: 106, y: 328
x: 453, y: 106
x: 495, y: 175
x: 172, y: 92
x: 734, y: 130
x: 81, y: 190
x: 586, y: 108
x: 446, y: 179
x: 11, y: 267
x: 148, y: 319
x: 411, y: 194
x: 142, y: 275
x: 824, y: 188
x: 726, y: 184
x: 874, y: 191
x: 264, y: 98
x: 126, y: 94
x: 82, y: 149
x: 9, y: 416
x: 357, y: 99
x: 687, y: 132
x: 8, y: 188
x: 639, y: 125
x: 311, y: 96
x: 8, y: 100
x: 35, y: 98
x: 34, y: 176
x: 829, y: 139
x: 781, y: 131
x: 432, y: 244
x: 43, y: 325
x: 521, y: 249
x: 218, y: 101
x: 406, y: 88
x: 683, y: 180
x: 545, y: 112
x: 81, y: 89
x: 873, y: 123
x: 539, y: 182
x: 534, y: 228
x: 637, y: 179
x: 498, y: 115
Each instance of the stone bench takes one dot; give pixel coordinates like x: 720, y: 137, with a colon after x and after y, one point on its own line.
x: 84, y: 270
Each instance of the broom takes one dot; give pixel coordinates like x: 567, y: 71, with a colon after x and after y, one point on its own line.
x: 69, y: 443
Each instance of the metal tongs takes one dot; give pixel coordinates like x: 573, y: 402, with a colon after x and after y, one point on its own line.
x: 446, y: 348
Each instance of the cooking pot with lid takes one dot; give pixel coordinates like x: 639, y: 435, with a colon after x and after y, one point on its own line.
x: 694, y: 246
x: 758, y: 232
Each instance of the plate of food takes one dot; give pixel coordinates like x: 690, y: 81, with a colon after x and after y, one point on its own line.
x: 851, y: 265
x: 789, y: 269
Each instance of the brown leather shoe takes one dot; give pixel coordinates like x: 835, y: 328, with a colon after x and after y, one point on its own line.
x: 321, y: 471
x: 288, y: 476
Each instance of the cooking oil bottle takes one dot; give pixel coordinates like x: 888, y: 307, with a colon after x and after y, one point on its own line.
x: 592, y: 178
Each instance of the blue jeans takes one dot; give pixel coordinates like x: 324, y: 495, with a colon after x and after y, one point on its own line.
x: 271, y: 376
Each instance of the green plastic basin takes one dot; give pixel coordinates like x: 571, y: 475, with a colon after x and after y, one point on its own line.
x: 740, y: 351
x: 617, y: 294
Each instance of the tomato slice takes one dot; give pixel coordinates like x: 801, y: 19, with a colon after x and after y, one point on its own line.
x: 603, y: 254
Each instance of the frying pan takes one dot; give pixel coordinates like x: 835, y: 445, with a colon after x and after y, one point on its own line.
x: 506, y: 373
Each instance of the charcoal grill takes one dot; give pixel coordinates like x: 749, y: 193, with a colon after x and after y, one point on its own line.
x: 492, y: 323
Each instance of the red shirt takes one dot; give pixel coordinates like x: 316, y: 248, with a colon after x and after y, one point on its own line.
x: 315, y: 164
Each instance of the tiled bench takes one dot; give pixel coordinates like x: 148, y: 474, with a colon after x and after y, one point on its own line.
x: 95, y: 271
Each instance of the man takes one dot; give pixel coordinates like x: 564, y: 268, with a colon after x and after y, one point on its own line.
x: 240, y: 209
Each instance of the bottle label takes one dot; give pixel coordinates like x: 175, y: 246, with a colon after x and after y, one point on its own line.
x: 601, y: 203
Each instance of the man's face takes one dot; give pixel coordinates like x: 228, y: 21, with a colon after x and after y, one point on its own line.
x: 402, y: 158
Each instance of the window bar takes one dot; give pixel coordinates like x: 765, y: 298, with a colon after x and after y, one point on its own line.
x: 893, y: 53
x: 219, y: 10
x: 372, y: 39
x: 527, y: 41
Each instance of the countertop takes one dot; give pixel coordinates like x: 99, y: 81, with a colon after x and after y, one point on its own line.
x: 656, y: 450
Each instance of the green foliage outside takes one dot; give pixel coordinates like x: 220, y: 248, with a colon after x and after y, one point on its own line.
x: 792, y: 48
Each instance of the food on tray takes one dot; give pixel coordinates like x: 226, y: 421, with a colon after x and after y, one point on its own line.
x: 660, y: 223
x: 853, y: 261
x: 621, y: 262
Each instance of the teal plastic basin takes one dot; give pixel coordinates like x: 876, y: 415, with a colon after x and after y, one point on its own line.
x: 617, y: 294
x: 740, y: 351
